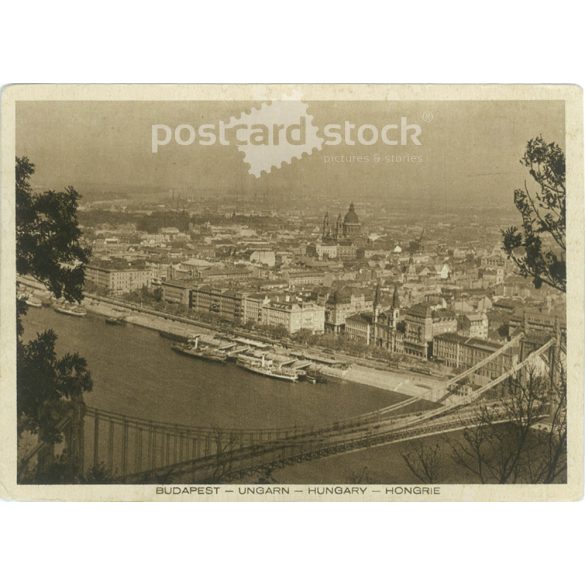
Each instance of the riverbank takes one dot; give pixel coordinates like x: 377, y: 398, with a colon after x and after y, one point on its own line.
x: 142, y: 319
x: 136, y: 374
x: 397, y: 381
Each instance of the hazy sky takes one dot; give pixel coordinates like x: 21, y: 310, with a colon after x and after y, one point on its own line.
x: 470, y: 150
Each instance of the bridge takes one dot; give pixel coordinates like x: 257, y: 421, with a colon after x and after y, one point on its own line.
x: 136, y: 450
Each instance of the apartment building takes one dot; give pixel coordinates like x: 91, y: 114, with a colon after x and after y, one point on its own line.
x: 464, y: 352
x: 341, y: 304
x: 423, y: 323
x: 473, y: 325
x: 360, y: 327
x: 294, y: 316
x: 226, y: 303
x: 118, y: 281
x: 176, y: 291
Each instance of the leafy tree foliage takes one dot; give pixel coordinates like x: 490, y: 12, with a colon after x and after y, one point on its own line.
x: 45, y: 385
x: 48, y: 248
x: 48, y: 236
x: 538, y: 247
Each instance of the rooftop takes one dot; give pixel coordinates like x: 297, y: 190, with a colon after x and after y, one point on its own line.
x: 475, y: 342
x: 366, y: 318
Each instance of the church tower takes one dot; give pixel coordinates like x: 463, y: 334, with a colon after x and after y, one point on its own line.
x: 326, y: 230
x: 395, y: 298
x: 395, y: 307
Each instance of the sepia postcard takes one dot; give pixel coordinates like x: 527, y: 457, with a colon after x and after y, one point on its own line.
x: 292, y: 292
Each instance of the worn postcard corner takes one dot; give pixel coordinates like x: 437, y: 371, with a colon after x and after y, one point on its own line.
x: 291, y: 292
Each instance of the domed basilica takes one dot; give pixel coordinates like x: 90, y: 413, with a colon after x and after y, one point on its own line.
x: 346, y: 230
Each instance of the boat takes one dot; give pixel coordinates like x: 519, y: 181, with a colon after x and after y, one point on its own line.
x: 73, y: 310
x: 33, y: 302
x: 267, y: 368
x: 193, y: 350
x: 115, y: 321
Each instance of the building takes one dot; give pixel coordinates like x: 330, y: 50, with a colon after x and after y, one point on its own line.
x: 252, y: 307
x: 120, y: 280
x: 176, y: 291
x: 464, y: 352
x: 323, y: 250
x: 423, y: 323
x: 443, y: 271
x: 346, y: 251
x: 473, y: 325
x: 169, y: 231
x: 263, y: 256
x: 294, y: 316
x: 228, y: 273
x: 226, y: 303
x: 344, y: 235
x: 533, y: 320
x: 496, y: 260
x: 341, y: 304
x: 194, y: 267
x: 360, y: 327
x: 385, y: 332
x: 351, y: 226
x: 160, y: 271
x: 306, y: 277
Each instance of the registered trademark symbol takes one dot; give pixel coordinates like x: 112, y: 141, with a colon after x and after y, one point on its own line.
x: 428, y: 116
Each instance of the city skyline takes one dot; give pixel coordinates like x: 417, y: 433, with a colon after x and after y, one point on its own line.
x: 468, y: 154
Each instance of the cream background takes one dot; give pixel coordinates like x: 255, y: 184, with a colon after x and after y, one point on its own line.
x: 574, y: 152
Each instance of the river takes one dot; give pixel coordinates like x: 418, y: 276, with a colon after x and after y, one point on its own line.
x: 135, y: 373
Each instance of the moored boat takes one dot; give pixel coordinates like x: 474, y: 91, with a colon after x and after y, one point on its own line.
x: 33, y: 302
x: 267, y: 368
x: 193, y: 350
x: 73, y: 310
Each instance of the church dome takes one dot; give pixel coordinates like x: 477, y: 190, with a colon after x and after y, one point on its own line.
x: 351, y: 217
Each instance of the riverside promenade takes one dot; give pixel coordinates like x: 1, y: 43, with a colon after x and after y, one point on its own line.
x: 411, y: 384
x: 407, y: 383
x: 136, y: 316
x: 401, y: 382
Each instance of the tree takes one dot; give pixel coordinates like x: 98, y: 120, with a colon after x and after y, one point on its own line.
x: 48, y: 236
x: 362, y: 477
x: 530, y: 447
x: 424, y: 462
x: 48, y: 248
x: 46, y: 384
x: 520, y: 439
x: 538, y: 248
x: 304, y: 336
